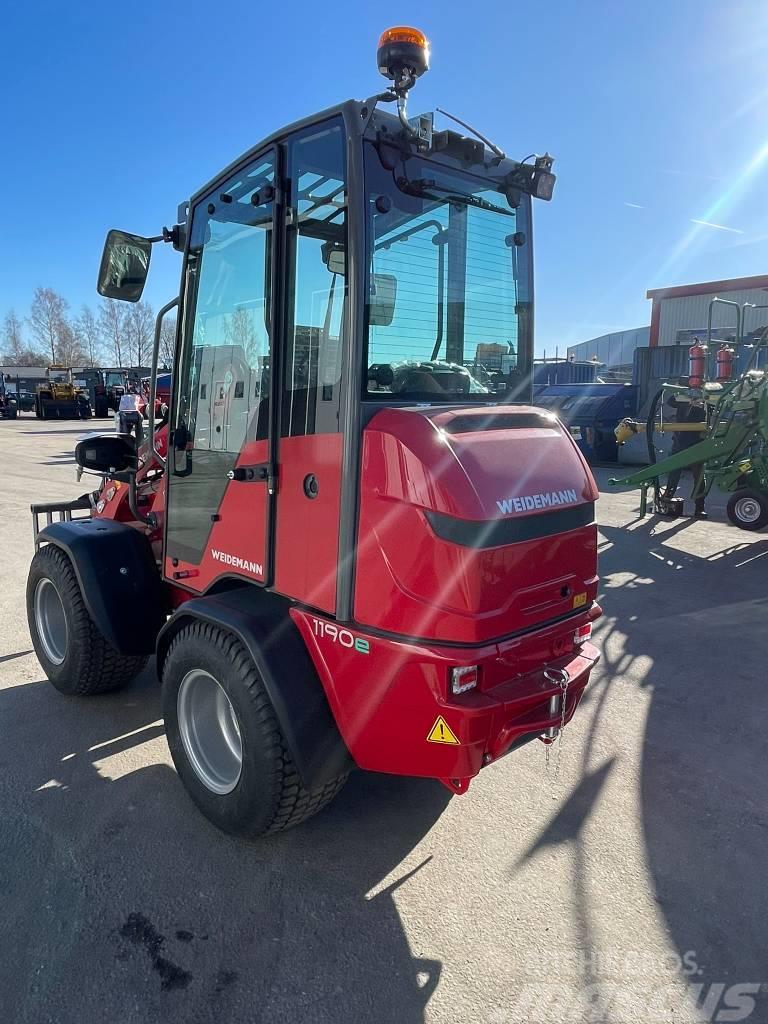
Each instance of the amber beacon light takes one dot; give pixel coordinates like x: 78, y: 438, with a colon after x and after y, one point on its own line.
x: 403, y: 56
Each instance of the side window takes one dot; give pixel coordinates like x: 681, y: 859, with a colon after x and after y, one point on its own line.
x: 317, y: 245
x: 224, y: 394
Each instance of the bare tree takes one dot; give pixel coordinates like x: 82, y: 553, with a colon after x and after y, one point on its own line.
x: 168, y: 340
x: 140, y: 322
x: 113, y: 327
x: 90, y: 335
x: 14, y: 350
x: 13, y: 341
x: 239, y: 329
x: 69, y: 347
x: 47, y: 318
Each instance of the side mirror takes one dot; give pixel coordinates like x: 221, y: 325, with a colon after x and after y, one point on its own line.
x: 124, y: 266
x: 381, y: 302
x: 337, y: 262
x: 334, y: 257
x: 106, y: 454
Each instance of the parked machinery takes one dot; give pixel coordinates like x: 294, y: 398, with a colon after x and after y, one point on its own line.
x: 59, y: 398
x: 9, y: 406
x: 734, y: 433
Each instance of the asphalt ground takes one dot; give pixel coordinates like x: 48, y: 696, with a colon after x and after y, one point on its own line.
x: 625, y: 889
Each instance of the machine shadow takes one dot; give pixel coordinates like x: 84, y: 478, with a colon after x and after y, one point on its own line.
x: 122, y: 902
x: 705, y: 814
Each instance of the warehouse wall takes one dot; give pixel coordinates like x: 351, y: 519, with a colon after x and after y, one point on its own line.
x: 689, y: 313
x: 616, y: 349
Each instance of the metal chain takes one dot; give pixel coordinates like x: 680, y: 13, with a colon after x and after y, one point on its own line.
x: 563, y: 684
x: 564, y: 688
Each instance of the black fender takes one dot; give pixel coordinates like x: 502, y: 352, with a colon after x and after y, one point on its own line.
x: 260, y: 620
x: 118, y: 578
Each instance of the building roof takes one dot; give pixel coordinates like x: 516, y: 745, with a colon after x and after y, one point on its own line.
x: 735, y: 284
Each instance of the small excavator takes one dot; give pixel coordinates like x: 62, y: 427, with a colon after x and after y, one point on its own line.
x: 733, y: 449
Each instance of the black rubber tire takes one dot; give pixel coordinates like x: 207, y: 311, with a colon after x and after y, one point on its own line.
x: 760, y: 498
x: 91, y: 664
x: 269, y: 796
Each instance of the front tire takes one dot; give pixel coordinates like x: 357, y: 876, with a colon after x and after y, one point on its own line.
x: 225, y: 739
x: 748, y: 509
x: 74, y: 653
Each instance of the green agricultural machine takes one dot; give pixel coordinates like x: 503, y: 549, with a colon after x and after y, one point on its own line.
x: 733, y: 449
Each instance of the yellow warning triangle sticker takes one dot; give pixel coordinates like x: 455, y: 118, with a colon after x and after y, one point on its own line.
x: 441, y: 732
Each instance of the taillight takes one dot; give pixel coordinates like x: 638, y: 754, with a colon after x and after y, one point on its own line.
x: 582, y: 634
x: 464, y: 678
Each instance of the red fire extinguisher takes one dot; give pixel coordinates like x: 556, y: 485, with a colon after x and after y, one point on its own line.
x: 697, y: 355
x: 725, y: 359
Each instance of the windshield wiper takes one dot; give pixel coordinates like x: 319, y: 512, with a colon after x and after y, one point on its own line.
x: 422, y: 187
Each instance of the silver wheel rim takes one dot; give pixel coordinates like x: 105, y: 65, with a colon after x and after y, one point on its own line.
x: 50, y: 621
x: 209, y: 731
x: 747, y: 510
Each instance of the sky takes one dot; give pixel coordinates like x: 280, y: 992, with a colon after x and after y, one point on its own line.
x: 656, y: 113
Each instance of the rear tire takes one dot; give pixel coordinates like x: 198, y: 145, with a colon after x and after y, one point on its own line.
x: 225, y: 739
x: 748, y: 509
x: 74, y: 653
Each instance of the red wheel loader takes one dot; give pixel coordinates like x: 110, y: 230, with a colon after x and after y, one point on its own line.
x: 342, y: 549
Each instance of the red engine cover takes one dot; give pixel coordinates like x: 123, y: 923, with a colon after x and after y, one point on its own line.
x: 474, y: 523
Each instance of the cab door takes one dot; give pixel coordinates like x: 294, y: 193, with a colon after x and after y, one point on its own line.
x: 219, y: 470
x: 312, y: 351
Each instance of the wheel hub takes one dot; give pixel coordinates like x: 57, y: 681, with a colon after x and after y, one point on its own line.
x: 210, y: 731
x: 747, y: 510
x: 50, y: 621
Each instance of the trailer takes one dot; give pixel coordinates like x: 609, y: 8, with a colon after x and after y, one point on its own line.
x: 591, y: 411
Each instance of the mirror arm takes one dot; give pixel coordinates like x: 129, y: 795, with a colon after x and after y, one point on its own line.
x: 153, y: 378
x: 129, y: 477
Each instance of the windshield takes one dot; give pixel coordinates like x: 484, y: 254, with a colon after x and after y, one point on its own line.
x: 449, y: 292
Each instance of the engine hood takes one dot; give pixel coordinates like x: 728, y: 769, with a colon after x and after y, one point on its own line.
x: 482, y: 464
x: 474, y: 523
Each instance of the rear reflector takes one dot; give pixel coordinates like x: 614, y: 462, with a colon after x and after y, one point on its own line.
x: 463, y: 679
x: 582, y: 634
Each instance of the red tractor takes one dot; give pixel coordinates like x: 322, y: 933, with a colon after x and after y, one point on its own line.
x: 335, y: 567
